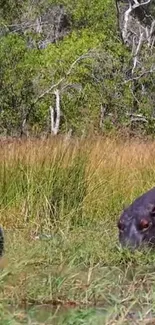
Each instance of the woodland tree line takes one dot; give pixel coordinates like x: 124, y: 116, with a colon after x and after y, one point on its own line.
x: 77, y: 67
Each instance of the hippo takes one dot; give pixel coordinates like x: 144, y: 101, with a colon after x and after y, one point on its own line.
x: 137, y: 222
x: 1, y: 242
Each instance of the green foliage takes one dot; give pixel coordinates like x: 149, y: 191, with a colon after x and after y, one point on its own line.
x: 95, y: 81
x: 17, y: 65
x: 11, y: 9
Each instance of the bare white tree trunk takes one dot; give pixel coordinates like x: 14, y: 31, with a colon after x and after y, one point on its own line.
x: 134, y: 32
x: 55, y: 114
x: 38, y: 27
x: 102, y: 115
x: 62, y: 84
x: 137, y: 50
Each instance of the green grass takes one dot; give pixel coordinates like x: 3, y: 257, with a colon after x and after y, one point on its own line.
x: 74, y: 192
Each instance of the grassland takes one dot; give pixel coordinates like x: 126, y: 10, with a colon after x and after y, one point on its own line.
x: 59, y: 205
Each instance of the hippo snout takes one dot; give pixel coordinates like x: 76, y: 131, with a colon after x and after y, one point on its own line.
x: 130, y: 238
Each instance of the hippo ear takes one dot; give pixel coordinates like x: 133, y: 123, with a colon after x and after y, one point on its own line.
x: 152, y: 210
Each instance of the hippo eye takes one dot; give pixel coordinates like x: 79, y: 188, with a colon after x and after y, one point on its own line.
x: 121, y: 226
x: 144, y: 224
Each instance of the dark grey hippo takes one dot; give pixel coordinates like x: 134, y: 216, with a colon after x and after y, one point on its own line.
x: 137, y: 222
x: 1, y: 242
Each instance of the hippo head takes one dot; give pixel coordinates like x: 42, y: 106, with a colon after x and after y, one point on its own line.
x: 137, y: 227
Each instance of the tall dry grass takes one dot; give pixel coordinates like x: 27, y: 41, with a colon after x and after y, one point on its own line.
x: 107, y: 173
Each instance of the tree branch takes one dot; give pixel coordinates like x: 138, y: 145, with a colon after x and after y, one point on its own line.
x: 140, y: 76
x: 57, y: 84
x: 139, y: 4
